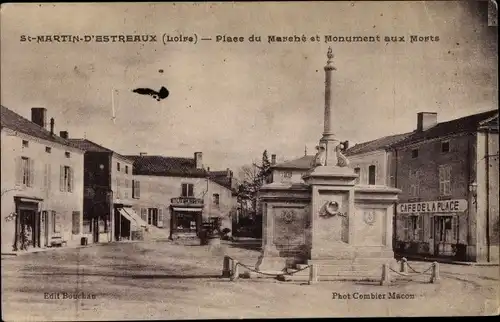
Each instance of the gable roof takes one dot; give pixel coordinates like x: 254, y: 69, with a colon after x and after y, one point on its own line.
x: 303, y: 162
x: 221, y: 178
x: 156, y: 165
x: 465, y: 124
x: 377, y: 144
x: 87, y: 145
x: 13, y: 121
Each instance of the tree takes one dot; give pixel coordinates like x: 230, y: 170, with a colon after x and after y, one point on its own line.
x: 253, y: 177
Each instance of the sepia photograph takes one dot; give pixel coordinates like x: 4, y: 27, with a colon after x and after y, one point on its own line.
x: 242, y: 160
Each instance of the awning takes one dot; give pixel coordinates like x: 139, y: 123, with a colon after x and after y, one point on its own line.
x: 188, y: 209
x: 135, y: 217
x: 126, y: 215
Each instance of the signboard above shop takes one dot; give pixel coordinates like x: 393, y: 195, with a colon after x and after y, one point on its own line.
x: 438, y: 206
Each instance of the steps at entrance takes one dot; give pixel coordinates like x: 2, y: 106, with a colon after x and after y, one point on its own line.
x: 343, y: 269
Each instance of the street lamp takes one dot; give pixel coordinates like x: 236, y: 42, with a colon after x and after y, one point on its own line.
x: 473, y: 190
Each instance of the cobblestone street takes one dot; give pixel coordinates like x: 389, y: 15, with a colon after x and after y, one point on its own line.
x: 166, y: 281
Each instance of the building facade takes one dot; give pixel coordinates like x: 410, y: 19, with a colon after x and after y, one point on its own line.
x: 42, y: 184
x: 108, y: 195
x: 448, y: 174
x: 177, y: 195
x: 372, y: 160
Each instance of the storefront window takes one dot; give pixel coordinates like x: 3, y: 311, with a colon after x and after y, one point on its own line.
x: 186, y: 222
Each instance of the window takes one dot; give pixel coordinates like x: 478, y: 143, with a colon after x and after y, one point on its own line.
x: 216, y: 199
x: 414, y: 153
x: 27, y: 172
x: 371, y: 174
x: 67, y: 154
x: 126, y: 169
x: 48, y: 149
x: 187, y: 190
x: 445, y: 146
x: 445, y: 180
x: 414, y: 179
x: 358, y: 172
x: 66, y: 179
x: 414, y: 228
x: 118, y: 166
x: 25, y: 144
x: 155, y: 217
x: 136, y: 189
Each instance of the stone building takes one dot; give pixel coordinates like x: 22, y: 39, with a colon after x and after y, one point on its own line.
x: 42, y: 183
x: 448, y: 174
x: 108, y: 195
x: 372, y: 160
x: 178, y: 194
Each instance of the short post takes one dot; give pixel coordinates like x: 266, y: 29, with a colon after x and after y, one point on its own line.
x: 313, y: 274
x: 404, y: 265
x: 235, y: 271
x: 435, y: 273
x: 386, y: 279
x: 226, y: 269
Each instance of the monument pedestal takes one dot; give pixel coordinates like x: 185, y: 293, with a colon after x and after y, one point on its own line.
x: 351, y: 225
x: 285, y: 221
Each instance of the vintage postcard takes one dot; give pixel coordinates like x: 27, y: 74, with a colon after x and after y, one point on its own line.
x: 236, y: 160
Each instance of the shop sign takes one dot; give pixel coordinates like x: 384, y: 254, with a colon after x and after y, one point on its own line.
x: 438, y: 206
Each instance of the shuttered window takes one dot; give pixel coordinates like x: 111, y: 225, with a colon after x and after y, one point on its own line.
x: 144, y: 214
x: 47, y: 176
x: 187, y: 190
x: 66, y: 179
x: 136, y: 189
x: 160, y: 217
x: 76, y: 223
x: 445, y: 180
x: 56, y: 225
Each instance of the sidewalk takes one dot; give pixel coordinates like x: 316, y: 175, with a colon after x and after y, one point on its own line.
x: 413, y: 257
x: 46, y: 249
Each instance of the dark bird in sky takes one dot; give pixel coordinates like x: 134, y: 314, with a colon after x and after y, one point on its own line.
x: 161, y: 94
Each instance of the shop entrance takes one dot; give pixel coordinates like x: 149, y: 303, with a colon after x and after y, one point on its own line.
x: 445, y: 235
x: 185, y: 223
x: 28, y: 226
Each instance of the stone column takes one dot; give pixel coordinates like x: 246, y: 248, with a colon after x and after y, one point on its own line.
x: 328, y: 135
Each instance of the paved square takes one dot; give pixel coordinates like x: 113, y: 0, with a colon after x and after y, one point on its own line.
x: 165, y: 281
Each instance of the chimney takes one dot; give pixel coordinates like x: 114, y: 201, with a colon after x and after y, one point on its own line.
x: 229, y: 173
x: 51, y: 126
x: 141, y: 154
x: 64, y: 134
x: 273, y: 159
x: 39, y: 116
x: 198, y: 160
x: 426, y: 120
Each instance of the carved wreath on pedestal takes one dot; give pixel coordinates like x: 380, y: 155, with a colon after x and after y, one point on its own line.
x: 288, y: 216
x: 330, y: 209
x: 369, y: 217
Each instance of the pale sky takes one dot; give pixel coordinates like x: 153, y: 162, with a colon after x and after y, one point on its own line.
x: 233, y: 100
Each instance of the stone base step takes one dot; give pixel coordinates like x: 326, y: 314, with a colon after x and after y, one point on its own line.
x: 350, y: 277
x: 267, y: 274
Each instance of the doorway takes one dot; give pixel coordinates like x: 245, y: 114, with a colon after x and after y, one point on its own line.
x: 444, y: 236
x: 28, y: 229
